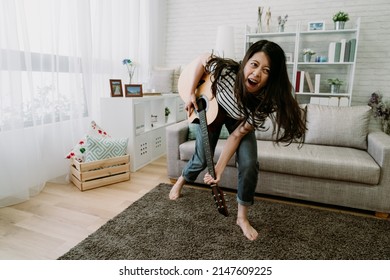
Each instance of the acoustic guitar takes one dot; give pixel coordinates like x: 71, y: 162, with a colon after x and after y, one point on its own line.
x: 203, y: 92
x: 207, y: 113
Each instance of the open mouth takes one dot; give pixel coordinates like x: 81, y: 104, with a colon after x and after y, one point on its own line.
x: 252, y: 83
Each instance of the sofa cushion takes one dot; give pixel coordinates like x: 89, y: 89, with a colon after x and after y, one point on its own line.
x: 338, y: 126
x: 267, y: 133
x: 327, y: 162
x: 187, y: 150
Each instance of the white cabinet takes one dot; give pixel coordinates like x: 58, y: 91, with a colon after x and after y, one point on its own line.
x: 143, y: 121
x: 322, y: 42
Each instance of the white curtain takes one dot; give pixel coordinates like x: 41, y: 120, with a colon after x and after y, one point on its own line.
x: 56, y: 59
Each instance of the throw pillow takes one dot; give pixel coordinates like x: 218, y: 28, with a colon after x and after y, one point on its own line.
x: 176, y: 75
x: 192, y: 131
x: 78, y: 151
x: 338, y: 126
x: 224, y: 134
x: 99, y: 148
x: 161, y: 79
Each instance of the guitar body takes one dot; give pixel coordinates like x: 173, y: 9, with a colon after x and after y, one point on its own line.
x: 206, y: 114
x: 203, y: 91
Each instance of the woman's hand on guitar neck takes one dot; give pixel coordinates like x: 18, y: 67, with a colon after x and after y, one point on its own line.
x: 191, y: 105
x: 208, y: 179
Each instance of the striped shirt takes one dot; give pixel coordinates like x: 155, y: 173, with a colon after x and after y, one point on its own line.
x: 227, y: 100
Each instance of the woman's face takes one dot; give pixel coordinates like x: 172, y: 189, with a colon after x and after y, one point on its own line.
x: 256, y: 72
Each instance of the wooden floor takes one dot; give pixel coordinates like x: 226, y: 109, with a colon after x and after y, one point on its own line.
x: 51, y: 223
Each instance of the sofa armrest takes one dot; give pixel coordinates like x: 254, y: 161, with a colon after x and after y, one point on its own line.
x: 379, y: 149
x: 176, y: 134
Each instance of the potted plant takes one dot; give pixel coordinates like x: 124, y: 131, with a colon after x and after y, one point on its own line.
x: 340, y: 19
x: 307, y: 53
x: 335, y: 85
x: 380, y: 110
x: 167, y: 112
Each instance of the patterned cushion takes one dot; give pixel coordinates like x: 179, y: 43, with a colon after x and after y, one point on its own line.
x: 78, y: 151
x: 99, y: 148
x: 338, y: 126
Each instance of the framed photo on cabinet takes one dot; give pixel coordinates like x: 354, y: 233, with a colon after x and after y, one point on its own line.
x: 316, y: 25
x: 133, y: 90
x: 116, y: 88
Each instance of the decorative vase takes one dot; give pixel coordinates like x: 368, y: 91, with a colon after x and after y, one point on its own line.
x: 334, y: 88
x: 338, y: 25
x: 281, y: 28
x: 307, y: 57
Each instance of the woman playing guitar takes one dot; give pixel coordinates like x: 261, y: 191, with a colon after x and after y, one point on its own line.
x: 246, y: 93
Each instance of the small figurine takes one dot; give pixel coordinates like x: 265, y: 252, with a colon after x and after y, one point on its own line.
x: 268, y: 17
x: 259, y: 15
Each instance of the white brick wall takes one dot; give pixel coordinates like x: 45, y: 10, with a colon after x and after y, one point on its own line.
x: 191, y: 28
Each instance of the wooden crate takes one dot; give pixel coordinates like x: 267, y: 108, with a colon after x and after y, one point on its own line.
x: 90, y: 175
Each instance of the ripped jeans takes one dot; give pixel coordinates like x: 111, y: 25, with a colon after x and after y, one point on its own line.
x: 246, y: 160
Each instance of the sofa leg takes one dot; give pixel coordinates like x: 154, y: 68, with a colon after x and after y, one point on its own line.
x: 173, y: 180
x: 381, y: 215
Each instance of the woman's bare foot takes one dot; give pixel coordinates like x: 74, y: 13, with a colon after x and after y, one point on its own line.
x: 243, y: 223
x: 175, y: 192
x: 247, y: 229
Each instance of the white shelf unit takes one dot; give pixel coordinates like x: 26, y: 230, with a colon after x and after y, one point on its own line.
x: 293, y: 44
x: 142, y: 120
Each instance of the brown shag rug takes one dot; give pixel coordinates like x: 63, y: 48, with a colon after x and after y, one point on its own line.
x: 155, y: 228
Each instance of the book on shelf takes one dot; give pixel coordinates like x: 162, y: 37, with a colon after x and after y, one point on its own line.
x: 334, y: 52
x: 343, y: 43
x: 331, y: 52
x: 309, y: 82
x: 343, y: 101
x: 347, y: 51
x: 329, y: 101
x: 324, y: 101
x: 151, y: 93
x: 343, y: 51
x: 297, y: 81
x: 301, y: 81
x: 333, y: 101
x: 314, y: 100
x: 352, y: 50
x: 317, y: 81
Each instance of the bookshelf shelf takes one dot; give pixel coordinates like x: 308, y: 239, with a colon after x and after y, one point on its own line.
x: 339, y: 46
x: 323, y: 94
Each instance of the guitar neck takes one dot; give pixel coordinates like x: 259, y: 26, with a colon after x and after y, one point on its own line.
x: 205, y: 139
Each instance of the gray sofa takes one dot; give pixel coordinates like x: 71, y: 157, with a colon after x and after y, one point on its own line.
x: 344, y: 161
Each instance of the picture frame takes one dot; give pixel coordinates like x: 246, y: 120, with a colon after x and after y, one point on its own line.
x: 316, y: 25
x: 116, y: 88
x: 133, y: 90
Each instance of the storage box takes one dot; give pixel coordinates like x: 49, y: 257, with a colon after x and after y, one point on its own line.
x: 94, y: 174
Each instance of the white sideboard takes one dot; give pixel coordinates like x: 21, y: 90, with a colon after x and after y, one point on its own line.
x: 143, y: 121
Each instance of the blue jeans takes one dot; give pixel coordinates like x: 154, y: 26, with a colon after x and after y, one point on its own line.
x: 247, y: 165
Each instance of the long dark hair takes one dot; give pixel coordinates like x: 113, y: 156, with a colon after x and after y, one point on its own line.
x: 275, y: 100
